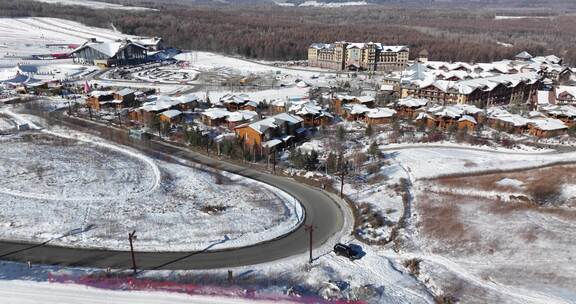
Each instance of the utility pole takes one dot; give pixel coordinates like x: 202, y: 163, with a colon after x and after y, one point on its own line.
x: 274, y: 160
x: 310, y: 229
x: 342, y: 183
x: 132, y: 237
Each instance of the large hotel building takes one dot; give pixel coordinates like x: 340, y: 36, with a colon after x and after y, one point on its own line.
x: 358, y: 56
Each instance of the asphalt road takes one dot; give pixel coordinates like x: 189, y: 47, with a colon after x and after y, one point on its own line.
x: 324, y: 210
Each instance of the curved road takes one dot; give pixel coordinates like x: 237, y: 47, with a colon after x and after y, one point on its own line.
x: 322, y: 209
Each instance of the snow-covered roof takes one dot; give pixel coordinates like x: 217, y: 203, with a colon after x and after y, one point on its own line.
x: 159, y: 103
x: 302, y: 84
x: 548, y: 124
x: 100, y: 93
x: 386, y: 87
x: 566, y: 111
x: 523, y: 55
x: 468, y: 86
x: 109, y: 48
x: 148, y: 41
x: 454, y: 111
x: 271, y: 143
x: 365, y: 99
x: 536, y: 114
x: 468, y: 118
x: 216, y: 113
x: 236, y: 99
x: 278, y: 103
x: 186, y: 98
x: 125, y: 91
x: 242, y: 115
x: 381, y: 113
x: 171, y: 113
x: 423, y: 115
x: 274, y: 122
x: 307, y: 109
x: 356, y: 109
x: 505, y: 116
x: 361, y: 45
x: 412, y: 102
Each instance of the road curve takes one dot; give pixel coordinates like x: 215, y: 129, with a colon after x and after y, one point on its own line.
x: 324, y: 210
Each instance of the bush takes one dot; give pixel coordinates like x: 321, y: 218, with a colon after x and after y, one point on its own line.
x: 413, y: 266
x: 546, y: 193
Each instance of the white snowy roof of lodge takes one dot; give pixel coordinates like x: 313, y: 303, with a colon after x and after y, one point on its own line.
x: 237, y: 99
x: 454, y: 111
x: 423, y: 74
x: 381, y: 113
x: 242, y: 115
x: 171, y: 113
x: 380, y: 46
x: 357, y: 108
x: 100, y: 93
x: 274, y: 122
x: 125, y: 91
x: 109, y: 48
x: 566, y: 110
x: 361, y: 45
x: 466, y: 87
x: 412, y: 102
x: 468, y: 118
x: 548, y: 124
x: 217, y: 113
x: 161, y: 102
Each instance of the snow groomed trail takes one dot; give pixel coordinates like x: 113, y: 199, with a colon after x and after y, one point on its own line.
x: 329, y: 215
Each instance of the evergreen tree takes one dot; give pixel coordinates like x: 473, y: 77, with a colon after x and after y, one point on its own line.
x: 331, y: 162
x: 341, y: 133
x: 311, y: 160
x: 374, y: 150
x: 369, y: 132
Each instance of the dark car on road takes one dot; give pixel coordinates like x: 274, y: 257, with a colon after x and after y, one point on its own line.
x: 348, y: 251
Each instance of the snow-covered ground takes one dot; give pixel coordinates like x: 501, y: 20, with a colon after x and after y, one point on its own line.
x: 477, y: 244
x: 29, y: 292
x: 474, y: 240
x: 206, y: 60
x: 434, y: 161
x: 95, y: 4
x: 76, y: 190
x: 332, y: 4
x: 20, y: 37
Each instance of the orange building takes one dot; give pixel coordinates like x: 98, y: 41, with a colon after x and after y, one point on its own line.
x: 273, y: 127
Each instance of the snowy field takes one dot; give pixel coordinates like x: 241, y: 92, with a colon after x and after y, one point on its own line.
x: 75, y: 191
x: 434, y: 161
x: 479, y: 238
x: 28, y: 292
x: 206, y: 60
x: 20, y: 37
x: 6, y: 124
x: 95, y: 4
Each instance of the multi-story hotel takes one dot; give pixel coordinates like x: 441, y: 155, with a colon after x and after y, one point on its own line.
x: 358, y: 56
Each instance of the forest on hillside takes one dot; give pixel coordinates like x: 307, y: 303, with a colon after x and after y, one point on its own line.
x: 278, y: 33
